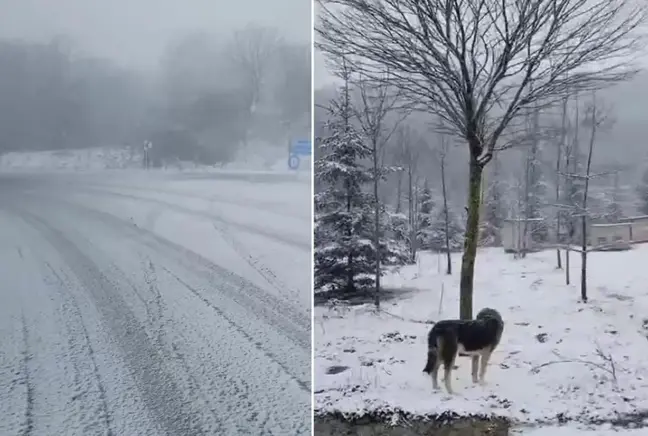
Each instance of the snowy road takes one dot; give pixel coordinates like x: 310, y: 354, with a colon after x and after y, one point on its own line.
x: 154, y: 306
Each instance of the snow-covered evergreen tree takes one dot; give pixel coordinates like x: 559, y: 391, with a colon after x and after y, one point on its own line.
x: 397, y: 235
x: 437, y: 232
x: 425, y: 218
x: 343, y: 250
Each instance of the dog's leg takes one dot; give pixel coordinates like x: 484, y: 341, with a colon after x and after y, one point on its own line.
x: 447, y: 377
x: 485, y: 358
x: 475, y: 363
x: 435, y: 374
x: 440, y: 352
x: 448, y: 355
x: 432, y: 366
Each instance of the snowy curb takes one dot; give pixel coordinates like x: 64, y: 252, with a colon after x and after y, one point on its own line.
x: 399, y: 422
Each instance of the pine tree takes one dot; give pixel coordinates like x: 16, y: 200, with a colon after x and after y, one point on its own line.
x: 394, y: 239
x: 399, y: 227
x: 344, y: 254
x: 455, y: 231
x: 397, y: 235
x: 425, y: 218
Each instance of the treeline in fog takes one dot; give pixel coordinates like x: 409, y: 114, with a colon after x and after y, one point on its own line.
x: 211, y: 98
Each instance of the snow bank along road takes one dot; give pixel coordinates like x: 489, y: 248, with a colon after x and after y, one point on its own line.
x: 145, y: 305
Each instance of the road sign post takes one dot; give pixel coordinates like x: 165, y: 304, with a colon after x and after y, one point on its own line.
x: 147, y: 147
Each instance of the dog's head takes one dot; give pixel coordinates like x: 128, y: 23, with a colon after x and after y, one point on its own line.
x: 492, y: 319
x: 489, y: 314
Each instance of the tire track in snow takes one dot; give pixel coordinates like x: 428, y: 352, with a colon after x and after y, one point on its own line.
x: 28, y: 423
x: 266, y: 273
x: 283, y: 239
x: 155, y: 315
x: 260, y: 205
x: 208, y: 279
x: 294, y: 325
x: 158, y: 323
x: 220, y: 394
x: 73, y: 312
x: 163, y: 397
x: 271, y: 356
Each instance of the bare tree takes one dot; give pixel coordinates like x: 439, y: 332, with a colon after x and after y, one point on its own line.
x: 377, y: 101
x: 530, y: 200
x: 596, y: 118
x: 570, y: 198
x: 293, y: 90
x: 472, y: 63
x: 408, y: 157
x: 443, y: 154
x: 398, y: 155
x: 253, y: 49
x: 560, y: 146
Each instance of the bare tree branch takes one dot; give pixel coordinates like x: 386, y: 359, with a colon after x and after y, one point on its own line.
x: 252, y: 50
x: 478, y: 63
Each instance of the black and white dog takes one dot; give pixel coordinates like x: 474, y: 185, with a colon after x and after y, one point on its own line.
x: 452, y: 337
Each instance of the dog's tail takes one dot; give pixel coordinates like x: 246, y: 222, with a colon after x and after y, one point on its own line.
x: 443, y: 345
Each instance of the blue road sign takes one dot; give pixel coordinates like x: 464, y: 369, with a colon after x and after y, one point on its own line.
x: 301, y: 147
x: 293, y: 161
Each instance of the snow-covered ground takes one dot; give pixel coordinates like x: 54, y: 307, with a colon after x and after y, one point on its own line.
x: 260, y: 157
x: 149, y: 303
x: 559, y: 360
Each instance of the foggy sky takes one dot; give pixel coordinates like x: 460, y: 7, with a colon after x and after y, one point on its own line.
x: 135, y: 32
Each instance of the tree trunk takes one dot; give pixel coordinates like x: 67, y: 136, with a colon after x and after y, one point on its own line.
x: 561, y: 144
x: 585, y: 194
x: 399, y: 191
x: 584, y: 259
x: 350, y: 273
x: 567, y: 278
x: 376, y: 224
x: 472, y: 238
x: 569, y: 184
x: 446, y: 217
x: 410, y: 209
x: 527, y: 206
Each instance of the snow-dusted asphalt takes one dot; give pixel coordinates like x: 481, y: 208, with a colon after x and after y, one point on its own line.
x: 128, y: 309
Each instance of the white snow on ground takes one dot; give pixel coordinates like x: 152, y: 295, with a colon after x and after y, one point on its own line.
x: 545, y: 324
x: 259, y: 157
x: 252, y: 229
x: 154, y: 303
x: 86, y: 159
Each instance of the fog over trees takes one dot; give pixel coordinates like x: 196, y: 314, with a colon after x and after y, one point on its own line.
x: 197, y: 87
